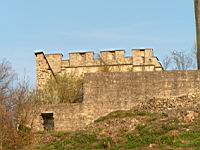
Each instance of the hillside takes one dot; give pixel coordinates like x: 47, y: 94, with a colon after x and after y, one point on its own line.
x: 130, y: 130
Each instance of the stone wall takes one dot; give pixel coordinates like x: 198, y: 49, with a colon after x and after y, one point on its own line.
x: 139, y: 85
x: 107, y: 92
x: 85, y: 62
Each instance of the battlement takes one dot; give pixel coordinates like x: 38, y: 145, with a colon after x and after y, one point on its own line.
x: 86, y: 62
x: 108, y: 57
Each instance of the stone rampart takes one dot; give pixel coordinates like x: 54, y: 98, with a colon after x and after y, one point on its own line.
x: 107, y: 92
x: 139, y: 85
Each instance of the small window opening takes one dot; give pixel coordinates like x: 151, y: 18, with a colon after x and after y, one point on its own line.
x: 83, y: 56
x: 113, y: 55
x: 48, y: 121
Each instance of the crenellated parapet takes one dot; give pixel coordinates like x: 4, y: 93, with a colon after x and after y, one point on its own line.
x: 87, y: 62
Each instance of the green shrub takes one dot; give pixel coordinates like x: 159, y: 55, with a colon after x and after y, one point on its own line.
x: 65, y: 88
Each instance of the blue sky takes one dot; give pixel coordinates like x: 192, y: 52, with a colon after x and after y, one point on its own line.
x: 70, y: 25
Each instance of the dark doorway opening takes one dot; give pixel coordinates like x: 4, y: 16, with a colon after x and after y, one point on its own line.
x: 48, y: 121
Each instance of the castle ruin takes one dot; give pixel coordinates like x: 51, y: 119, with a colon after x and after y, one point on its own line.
x: 111, y: 82
x: 131, y: 83
x: 80, y: 63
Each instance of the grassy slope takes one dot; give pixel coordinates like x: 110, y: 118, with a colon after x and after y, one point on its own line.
x: 128, y: 130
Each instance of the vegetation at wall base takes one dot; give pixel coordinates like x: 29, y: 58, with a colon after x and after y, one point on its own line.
x: 115, y: 131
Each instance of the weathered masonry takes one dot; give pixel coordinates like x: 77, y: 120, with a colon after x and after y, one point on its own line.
x: 85, y: 62
x: 107, y: 92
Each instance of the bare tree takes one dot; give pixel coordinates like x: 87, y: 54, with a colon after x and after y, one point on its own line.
x: 16, y: 103
x: 194, y: 55
x: 197, y: 17
x: 166, y: 62
x: 6, y: 124
x: 179, y: 60
x: 6, y: 77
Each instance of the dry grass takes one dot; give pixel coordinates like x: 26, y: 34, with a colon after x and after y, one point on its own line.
x: 114, y: 131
